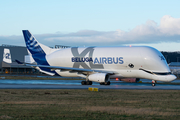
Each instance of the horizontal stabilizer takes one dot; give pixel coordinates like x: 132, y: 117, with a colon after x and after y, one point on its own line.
x: 19, y: 62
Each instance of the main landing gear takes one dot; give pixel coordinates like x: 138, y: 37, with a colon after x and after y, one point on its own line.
x: 90, y: 83
x: 105, y: 83
x: 86, y: 83
x: 153, y: 83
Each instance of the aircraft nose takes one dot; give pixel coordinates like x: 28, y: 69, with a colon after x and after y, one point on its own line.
x: 171, y: 78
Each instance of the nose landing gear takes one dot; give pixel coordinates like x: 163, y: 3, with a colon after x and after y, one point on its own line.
x: 153, y: 83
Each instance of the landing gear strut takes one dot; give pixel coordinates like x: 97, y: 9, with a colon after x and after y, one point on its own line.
x: 86, y: 83
x: 105, y: 83
x: 153, y: 83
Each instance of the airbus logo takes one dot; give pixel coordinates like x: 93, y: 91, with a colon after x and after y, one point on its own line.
x: 100, y: 60
x: 109, y: 60
x: 79, y: 59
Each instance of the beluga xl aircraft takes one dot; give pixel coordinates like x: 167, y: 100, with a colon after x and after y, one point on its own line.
x: 99, y: 64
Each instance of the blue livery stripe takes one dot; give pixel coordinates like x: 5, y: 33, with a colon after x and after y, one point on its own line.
x: 35, y: 49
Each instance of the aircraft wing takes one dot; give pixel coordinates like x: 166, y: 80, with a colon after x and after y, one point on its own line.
x: 71, y: 70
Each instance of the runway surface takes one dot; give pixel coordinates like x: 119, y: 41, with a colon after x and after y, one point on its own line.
x: 76, y: 84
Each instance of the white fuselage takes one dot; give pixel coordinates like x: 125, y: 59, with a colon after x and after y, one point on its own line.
x: 125, y: 62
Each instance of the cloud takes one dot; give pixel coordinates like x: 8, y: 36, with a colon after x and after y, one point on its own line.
x: 12, y: 40
x: 167, y: 31
x: 170, y: 25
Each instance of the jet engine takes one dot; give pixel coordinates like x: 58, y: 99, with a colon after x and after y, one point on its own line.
x: 99, y: 77
x: 131, y: 80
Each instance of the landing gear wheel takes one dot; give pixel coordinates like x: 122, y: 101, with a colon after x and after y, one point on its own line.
x: 89, y: 83
x: 86, y: 83
x: 83, y: 83
x: 107, y: 83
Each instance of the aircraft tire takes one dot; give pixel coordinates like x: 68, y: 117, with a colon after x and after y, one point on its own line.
x: 107, y: 83
x: 89, y: 83
x: 101, y: 83
x: 83, y: 83
x: 153, y: 84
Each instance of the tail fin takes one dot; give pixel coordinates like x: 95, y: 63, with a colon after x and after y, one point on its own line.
x: 37, y: 50
x: 7, y: 56
x: 33, y: 45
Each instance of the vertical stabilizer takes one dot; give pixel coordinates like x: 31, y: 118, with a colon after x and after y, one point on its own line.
x: 7, y: 56
x: 37, y: 51
x: 33, y: 45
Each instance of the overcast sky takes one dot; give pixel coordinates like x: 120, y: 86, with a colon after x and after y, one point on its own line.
x: 153, y: 23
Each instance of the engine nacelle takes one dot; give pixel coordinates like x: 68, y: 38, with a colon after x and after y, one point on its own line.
x: 131, y: 80
x: 99, y: 77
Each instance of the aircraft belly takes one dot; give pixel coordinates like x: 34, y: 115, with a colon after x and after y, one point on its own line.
x: 129, y: 73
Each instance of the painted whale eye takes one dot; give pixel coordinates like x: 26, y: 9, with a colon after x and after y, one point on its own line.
x: 131, y: 65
